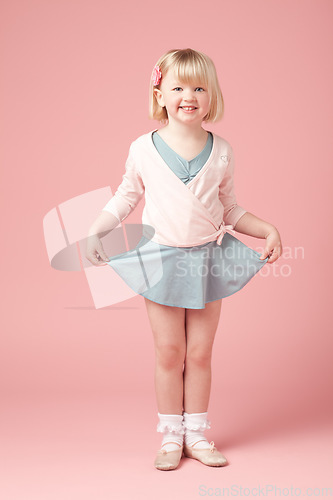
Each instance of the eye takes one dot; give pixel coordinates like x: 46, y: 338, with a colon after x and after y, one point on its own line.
x: 199, y: 88
x: 177, y: 88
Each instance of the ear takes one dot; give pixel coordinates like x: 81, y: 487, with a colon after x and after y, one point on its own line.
x: 159, y: 97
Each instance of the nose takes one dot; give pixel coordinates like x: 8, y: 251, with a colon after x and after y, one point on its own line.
x: 189, y: 96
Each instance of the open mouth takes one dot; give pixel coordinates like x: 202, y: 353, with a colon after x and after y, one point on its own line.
x: 188, y: 108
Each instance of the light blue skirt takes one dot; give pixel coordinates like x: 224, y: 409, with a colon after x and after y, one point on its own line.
x: 188, y: 277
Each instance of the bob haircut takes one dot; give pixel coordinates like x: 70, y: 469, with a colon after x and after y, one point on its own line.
x: 189, y: 66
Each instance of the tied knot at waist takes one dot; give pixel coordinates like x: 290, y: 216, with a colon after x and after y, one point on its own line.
x: 222, y: 230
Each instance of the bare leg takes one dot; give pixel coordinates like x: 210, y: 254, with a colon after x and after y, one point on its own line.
x: 201, y: 325
x: 168, y: 327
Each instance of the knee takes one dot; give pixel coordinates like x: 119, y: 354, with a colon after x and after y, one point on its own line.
x: 198, y: 356
x: 169, y: 356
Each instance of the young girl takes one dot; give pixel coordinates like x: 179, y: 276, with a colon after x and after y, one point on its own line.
x: 186, y: 261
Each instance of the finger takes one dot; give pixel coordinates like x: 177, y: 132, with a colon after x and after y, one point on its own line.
x: 102, y: 254
x: 279, y: 251
x: 94, y: 259
x: 264, y: 254
x: 273, y: 257
x: 104, y: 257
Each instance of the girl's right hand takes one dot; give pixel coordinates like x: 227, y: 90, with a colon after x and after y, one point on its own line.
x: 95, y: 251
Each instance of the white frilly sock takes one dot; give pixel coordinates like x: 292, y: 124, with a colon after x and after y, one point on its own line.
x: 173, y: 430
x: 195, y: 424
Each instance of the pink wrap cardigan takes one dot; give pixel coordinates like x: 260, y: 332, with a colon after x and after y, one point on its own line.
x: 181, y: 215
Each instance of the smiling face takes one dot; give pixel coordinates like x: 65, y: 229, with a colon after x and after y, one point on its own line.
x: 185, y: 102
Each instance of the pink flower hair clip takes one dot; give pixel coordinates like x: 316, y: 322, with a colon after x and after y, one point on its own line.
x: 156, y: 75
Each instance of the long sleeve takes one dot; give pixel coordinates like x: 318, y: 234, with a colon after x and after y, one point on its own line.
x: 232, y: 211
x: 129, y: 192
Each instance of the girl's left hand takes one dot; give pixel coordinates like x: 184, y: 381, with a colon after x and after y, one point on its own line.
x: 273, y: 247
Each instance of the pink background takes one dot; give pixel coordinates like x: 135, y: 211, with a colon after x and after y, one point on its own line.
x: 78, y: 404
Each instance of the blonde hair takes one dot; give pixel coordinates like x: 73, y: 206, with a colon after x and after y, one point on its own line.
x: 189, y: 65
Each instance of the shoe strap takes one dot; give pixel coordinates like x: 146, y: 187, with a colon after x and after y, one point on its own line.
x: 212, y: 445
x: 193, y: 445
x: 174, y: 442
x: 164, y: 452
